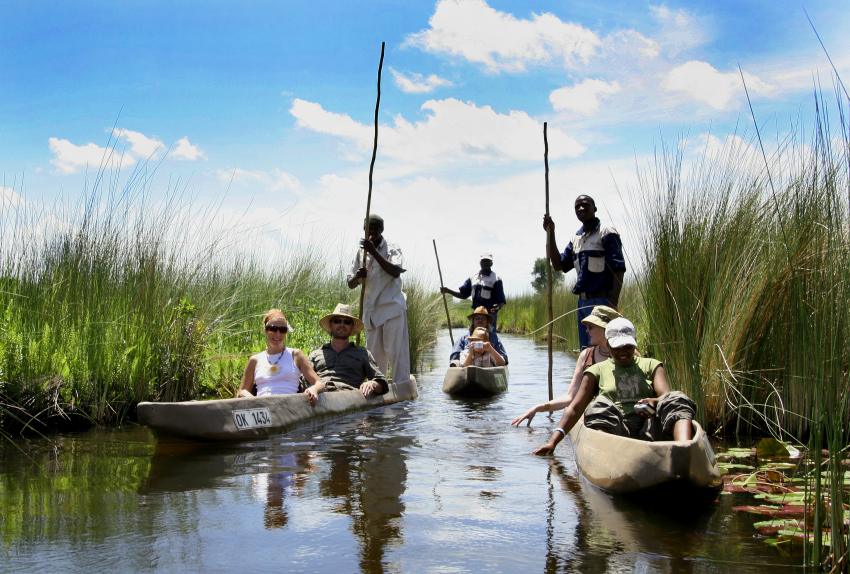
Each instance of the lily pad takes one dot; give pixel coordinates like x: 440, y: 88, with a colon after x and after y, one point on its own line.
x: 736, y: 453
x: 772, y: 448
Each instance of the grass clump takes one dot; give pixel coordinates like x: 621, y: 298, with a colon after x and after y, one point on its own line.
x: 117, y: 300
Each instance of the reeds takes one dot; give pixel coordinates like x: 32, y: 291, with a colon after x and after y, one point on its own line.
x: 118, y: 300
x: 746, y: 293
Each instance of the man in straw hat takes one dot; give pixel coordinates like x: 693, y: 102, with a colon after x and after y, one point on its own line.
x: 384, y: 303
x: 596, y: 253
x: 480, y: 318
x: 485, y: 287
x: 341, y: 361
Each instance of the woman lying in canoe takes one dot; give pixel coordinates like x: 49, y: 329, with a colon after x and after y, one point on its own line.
x: 479, y: 352
x: 634, y: 397
x: 597, y: 352
x: 480, y: 317
x: 276, y: 370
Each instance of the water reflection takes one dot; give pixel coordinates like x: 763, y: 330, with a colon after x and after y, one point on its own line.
x: 366, y: 480
x: 434, y: 485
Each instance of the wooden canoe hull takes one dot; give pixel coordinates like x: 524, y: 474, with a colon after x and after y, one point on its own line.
x: 626, y: 465
x: 478, y: 381
x: 238, y: 419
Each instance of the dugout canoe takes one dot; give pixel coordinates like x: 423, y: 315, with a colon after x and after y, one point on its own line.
x: 258, y: 417
x: 475, y: 381
x: 626, y: 465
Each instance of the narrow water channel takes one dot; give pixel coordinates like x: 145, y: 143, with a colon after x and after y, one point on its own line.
x: 434, y: 485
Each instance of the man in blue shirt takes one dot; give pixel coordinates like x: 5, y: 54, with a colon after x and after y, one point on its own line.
x: 596, y: 253
x: 486, y: 290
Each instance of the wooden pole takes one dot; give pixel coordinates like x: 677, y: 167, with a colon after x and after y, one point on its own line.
x: 369, y: 197
x: 548, y: 264
x: 445, y: 304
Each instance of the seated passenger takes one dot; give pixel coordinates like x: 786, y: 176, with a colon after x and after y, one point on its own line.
x: 633, y: 399
x: 276, y: 370
x: 341, y: 361
x: 479, y: 352
x: 480, y: 318
x: 597, y: 352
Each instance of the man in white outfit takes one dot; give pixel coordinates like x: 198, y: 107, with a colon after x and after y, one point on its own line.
x: 384, y: 304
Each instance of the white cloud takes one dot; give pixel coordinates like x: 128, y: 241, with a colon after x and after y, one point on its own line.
x: 70, y: 158
x: 417, y: 83
x: 274, y: 180
x: 9, y: 198
x: 624, y: 48
x: 679, y: 29
x: 452, y: 132
x: 312, y: 116
x: 702, y: 82
x: 185, y: 150
x: 141, y: 145
x: 583, y: 98
x: 501, y: 42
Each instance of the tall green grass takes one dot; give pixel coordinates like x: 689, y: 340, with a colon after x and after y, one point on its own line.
x: 119, y: 300
x: 746, y: 294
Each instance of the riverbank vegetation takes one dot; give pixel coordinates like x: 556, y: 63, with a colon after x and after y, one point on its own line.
x: 743, y: 290
x: 116, y: 301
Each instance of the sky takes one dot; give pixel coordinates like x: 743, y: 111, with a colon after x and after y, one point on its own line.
x: 262, y: 112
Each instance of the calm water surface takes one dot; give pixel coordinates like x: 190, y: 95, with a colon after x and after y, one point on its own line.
x: 435, y: 485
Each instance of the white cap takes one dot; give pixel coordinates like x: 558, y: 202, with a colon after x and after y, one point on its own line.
x: 486, y: 256
x: 620, y: 332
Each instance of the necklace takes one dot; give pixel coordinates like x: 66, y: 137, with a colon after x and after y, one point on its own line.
x: 274, y: 368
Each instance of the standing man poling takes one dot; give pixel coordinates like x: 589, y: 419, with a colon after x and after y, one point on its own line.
x: 486, y: 290
x: 384, y: 304
x: 596, y: 253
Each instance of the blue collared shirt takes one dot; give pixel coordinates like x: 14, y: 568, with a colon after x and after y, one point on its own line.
x: 486, y: 290
x: 595, y: 252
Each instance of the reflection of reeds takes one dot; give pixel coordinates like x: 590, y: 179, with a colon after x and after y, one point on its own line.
x: 746, y: 293
x: 123, y: 301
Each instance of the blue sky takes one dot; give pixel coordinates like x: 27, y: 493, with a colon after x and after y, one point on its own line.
x: 267, y: 107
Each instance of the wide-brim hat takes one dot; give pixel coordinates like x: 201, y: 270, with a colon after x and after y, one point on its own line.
x: 601, y: 316
x: 480, y: 310
x: 341, y: 311
x: 479, y: 334
x: 621, y: 332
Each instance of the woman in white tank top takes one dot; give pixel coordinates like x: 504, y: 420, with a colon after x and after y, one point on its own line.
x: 276, y: 370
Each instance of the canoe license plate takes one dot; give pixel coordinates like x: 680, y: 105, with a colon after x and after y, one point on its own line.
x: 252, y: 418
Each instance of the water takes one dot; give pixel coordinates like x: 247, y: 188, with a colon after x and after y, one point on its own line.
x: 436, y: 485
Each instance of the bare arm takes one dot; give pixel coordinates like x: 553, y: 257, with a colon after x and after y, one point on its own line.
x: 452, y: 292
x: 614, y: 294
x: 247, y: 380
x: 550, y: 406
x: 587, y: 390
x: 317, y: 385
x: 494, y: 354
x: 551, y: 245
x: 579, y: 372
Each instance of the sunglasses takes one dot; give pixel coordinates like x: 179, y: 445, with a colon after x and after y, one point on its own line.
x: 276, y: 329
x: 343, y: 320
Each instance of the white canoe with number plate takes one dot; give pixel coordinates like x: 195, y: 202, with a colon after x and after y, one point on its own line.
x: 623, y: 465
x: 257, y: 417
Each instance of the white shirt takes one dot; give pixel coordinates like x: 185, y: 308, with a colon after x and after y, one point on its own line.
x: 384, y: 298
x: 276, y: 374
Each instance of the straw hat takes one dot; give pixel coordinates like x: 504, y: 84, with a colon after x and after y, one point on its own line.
x: 601, y: 316
x: 341, y: 311
x: 479, y: 334
x: 480, y: 310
